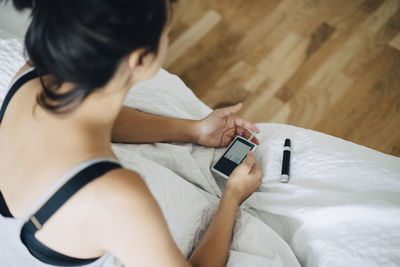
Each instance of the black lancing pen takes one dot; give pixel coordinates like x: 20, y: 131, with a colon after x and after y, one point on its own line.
x: 285, y: 174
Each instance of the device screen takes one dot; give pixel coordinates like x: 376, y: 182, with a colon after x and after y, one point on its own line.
x: 237, y: 152
x: 233, y: 156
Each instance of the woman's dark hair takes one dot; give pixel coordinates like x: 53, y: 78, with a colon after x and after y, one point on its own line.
x: 83, y: 42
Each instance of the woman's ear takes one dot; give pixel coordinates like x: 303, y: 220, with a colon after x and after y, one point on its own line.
x: 141, y: 61
x: 141, y: 65
x: 134, y: 59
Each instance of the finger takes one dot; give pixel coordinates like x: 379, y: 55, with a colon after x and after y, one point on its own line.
x: 242, y: 131
x: 245, y: 133
x: 245, y: 124
x: 231, y: 109
x: 255, y: 140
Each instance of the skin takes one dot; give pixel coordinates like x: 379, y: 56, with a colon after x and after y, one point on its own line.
x: 116, y: 212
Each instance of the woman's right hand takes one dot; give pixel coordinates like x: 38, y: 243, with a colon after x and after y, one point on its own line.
x: 213, y: 249
x: 245, y: 178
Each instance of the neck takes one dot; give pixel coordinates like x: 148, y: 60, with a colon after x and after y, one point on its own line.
x: 97, y: 115
x: 93, y: 120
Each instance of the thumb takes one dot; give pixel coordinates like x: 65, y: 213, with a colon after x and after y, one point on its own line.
x: 231, y: 109
x: 250, y: 160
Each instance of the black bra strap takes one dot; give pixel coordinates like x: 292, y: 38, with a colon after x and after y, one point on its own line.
x: 82, y: 178
x: 32, y: 74
x: 3, y: 207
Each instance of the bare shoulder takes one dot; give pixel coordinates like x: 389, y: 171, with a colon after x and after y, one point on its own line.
x: 133, y: 226
x: 124, y: 189
x: 122, y: 198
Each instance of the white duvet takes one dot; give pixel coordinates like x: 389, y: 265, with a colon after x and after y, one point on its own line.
x: 340, y: 208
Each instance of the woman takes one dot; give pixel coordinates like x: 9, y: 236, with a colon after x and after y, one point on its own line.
x: 65, y: 200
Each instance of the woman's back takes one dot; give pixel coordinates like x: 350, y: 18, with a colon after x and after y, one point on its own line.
x: 36, y: 147
x: 39, y: 164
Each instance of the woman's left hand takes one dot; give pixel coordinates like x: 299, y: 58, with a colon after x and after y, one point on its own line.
x: 220, y: 127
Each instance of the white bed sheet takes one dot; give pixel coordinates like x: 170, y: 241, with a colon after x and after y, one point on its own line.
x: 341, y: 207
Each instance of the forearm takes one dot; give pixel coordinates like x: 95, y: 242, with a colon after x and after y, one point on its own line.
x: 133, y: 126
x: 213, y: 249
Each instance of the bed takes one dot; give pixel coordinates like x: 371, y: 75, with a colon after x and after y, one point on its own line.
x: 340, y: 208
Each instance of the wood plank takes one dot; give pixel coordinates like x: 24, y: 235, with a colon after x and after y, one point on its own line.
x: 341, y: 27
x: 369, y: 28
x: 192, y: 36
x: 378, y: 91
x: 273, y: 71
x: 229, y: 87
x: 395, y: 42
x: 328, y: 84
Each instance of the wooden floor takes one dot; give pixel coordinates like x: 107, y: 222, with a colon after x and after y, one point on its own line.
x: 327, y: 65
